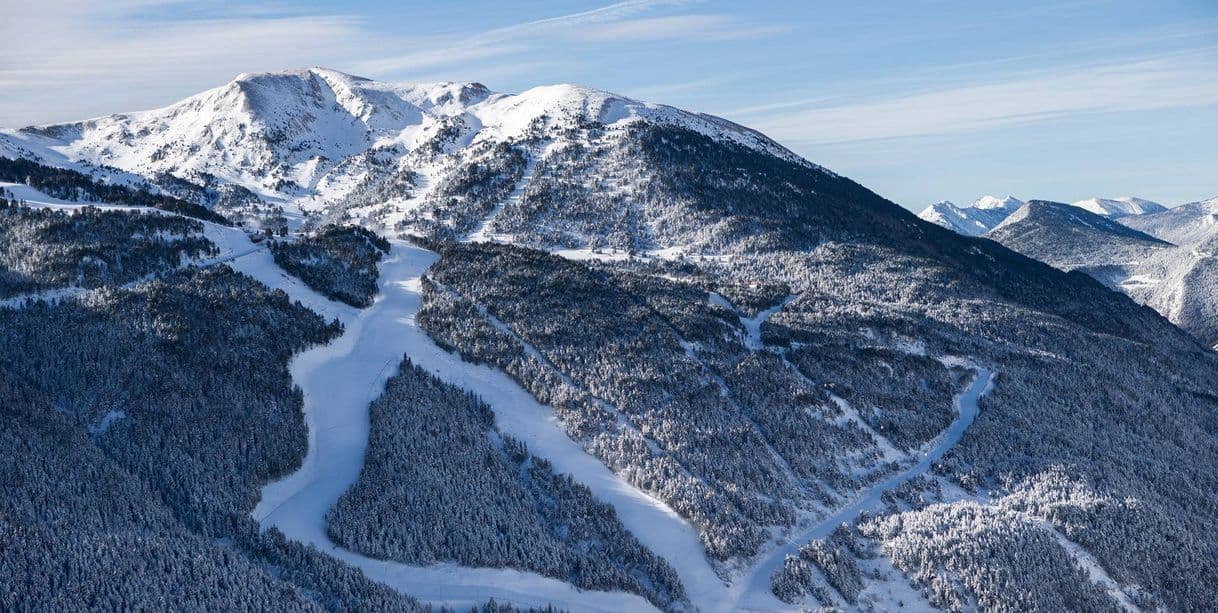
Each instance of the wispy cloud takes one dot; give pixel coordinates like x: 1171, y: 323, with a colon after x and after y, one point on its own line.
x: 1181, y: 80
x: 665, y: 90
x: 167, y: 48
x: 701, y: 27
x: 614, y: 23
x: 116, y: 58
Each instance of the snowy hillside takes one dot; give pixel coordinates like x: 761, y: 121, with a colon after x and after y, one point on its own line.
x: 1188, y: 223
x: 1181, y: 283
x: 988, y: 211
x: 1162, y: 259
x: 1071, y: 238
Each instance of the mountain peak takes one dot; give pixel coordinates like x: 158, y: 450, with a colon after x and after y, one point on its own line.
x: 320, y: 71
x: 1124, y: 206
x: 993, y: 202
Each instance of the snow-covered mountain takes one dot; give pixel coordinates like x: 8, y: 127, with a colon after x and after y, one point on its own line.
x: 1190, y: 223
x: 1071, y: 238
x: 424, y: 158
x: 1114, y: 208
x: 1181, y: 283
x: 987, y: 212
x: 800, y: 396
x: 978, y: 218
x: 1162, y: 259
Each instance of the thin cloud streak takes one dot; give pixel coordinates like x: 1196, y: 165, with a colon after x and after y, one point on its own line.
x: 703, y: 27
x: 613, y: 23
x: 1137, y: 85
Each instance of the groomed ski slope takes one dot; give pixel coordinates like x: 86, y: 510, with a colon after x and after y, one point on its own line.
x: 752, y: 591
x: 340, y: 380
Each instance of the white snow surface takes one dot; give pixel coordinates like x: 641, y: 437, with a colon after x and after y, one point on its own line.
x: 1008, y: 203
x: 1114, y: 208
x: 752, y: 325
x: 314, y: 126
x: 1095, y: 571
x: 342, y: 378
x: 974, y: 220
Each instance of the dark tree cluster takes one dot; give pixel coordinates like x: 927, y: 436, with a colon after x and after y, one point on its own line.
x: 835, y: 559
x: 67, y: 184
x: 578, y: 198
x: 235, y: 202
x: 385, y: 178
x: 43, y: 249
x: 441, y: 484
x: 846, y: 390
x: 971, y: 556
x: 337, y: 261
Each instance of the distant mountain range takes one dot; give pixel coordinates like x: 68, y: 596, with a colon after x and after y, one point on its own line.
x: 988, y: 211
x: 1158, y: 256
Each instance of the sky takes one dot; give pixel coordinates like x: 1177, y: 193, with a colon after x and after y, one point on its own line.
x: 920, y: 101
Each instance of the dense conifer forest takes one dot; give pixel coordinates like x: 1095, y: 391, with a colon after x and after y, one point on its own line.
x: 337, y: 261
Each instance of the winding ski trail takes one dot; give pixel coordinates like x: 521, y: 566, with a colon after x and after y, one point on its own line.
x: 752, y: 591
x: 339, y: 381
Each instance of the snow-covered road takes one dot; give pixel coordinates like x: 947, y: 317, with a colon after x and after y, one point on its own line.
x: 339, y: 381
x: 752, y: 591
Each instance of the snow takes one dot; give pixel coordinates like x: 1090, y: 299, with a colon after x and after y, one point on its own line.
x: 888, y: 451
x: 886, y: 589
x: 255, y: 260
x: 1091, y: 566
x: 752, y: 592
x: 752, y: 325
x: 50, y: 296
x: 312, y: 128
x: 1008, y: 204
x: 1114, y: 208
x: 482, y: 232
x: 233, y: 244
x: 107, y: 420
x: 974, y: 220
x: 37, y: 199
x: 339, y: 381
x: 21, y: 191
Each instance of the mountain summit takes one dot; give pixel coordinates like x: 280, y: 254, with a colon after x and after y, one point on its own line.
x: 978, y: 218
x: 346, y: 147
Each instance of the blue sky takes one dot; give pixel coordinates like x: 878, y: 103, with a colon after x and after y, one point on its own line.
x: 920, y: 101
